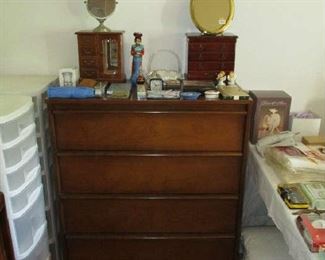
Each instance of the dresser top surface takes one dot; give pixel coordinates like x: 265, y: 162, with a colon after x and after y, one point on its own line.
x: 152, y: 105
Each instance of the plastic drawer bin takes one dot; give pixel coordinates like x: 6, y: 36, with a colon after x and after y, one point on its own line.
x: 20, y: 174
x: 28, y: 221
x: 17, y: 118
x: 14, y: 152
x: 40, y: 249
x: 22, y: 197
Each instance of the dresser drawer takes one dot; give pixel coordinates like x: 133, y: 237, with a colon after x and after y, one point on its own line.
x: 87, y: 39
x: 88, y: 73
x: 212, y: 56
x: 211, y: 46
x: 208, y: 66
x: 88, y: 62
x: 149, y: 248
x: 173, y: 174
x: 162, y: 131
x: 87, y: 50
x: 149, y: 215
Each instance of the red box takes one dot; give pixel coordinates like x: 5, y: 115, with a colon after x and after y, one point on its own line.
x: 270, y: 113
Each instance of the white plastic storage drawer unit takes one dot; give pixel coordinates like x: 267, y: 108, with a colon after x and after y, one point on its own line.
x: 36, y: 88
x: 39, y: 250
x: 20, y: 175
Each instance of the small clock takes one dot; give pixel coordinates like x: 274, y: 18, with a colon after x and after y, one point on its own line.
x: 156, y: 84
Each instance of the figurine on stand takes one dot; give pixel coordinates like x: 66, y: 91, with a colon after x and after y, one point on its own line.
x: 137, y: 51
x: 231, y: 78
x: 221, y: 78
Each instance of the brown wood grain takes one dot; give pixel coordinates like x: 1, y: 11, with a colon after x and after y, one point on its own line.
x: 150, y: 215
x: 140, y: 177
x: 149, y: 248
x: 141, y: 173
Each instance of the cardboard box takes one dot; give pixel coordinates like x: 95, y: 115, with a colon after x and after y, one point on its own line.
x: 313, y: 140
x: 270, y: 113
x: 304, y: 123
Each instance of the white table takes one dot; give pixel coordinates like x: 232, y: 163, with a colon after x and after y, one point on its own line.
x: 266, y: 181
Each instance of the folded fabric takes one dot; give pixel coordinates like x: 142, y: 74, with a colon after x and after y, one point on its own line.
x: 70, y: 92
x: 297, y: 158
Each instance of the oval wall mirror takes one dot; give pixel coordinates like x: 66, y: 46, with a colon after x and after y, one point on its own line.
x: 212, y: 16
x: 101, y: 9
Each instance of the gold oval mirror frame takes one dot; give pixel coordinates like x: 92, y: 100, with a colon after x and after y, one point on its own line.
x: 212, y: 16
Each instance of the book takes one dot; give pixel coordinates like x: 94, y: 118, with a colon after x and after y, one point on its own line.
x: 293, y: 196
x: 315, y: 192
x: 119, y: 90
x: 233, y: 93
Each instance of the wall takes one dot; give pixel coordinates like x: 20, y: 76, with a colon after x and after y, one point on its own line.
x: 281, y: 43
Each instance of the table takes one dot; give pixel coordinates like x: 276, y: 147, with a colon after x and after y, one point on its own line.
x: 265, y: 180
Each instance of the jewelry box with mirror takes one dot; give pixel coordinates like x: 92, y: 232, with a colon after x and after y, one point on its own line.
x: 101, y: 49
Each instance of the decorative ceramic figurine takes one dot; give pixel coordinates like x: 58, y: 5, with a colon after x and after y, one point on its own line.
x: 231, y: 78
x: 221, y: 78
x: 137, y: 51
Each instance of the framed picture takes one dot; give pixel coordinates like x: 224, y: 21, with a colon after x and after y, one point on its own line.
x: 270, y: 113
x: 68, y: 77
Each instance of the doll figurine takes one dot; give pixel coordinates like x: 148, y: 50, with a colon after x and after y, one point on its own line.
x: 137, y: 51
x: 221, y: 78
x: 231, y: 78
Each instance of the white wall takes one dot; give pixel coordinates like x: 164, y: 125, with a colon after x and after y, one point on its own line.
x: 281, y: 43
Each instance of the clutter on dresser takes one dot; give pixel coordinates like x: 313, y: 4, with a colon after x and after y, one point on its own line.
x: 164, y: 71
x: 88, y: 83
x: 163, y: 94
x: 211, y: 94
x: 270, y: 113
x: 221, y: 78
x: 198, y: 85
x: 191, y: 95
x: 232, y: 92
x: 68, y: 77
x: 70, y: 92
x: 119, y: 90
x: 137, y: 52
x: 141, y: 92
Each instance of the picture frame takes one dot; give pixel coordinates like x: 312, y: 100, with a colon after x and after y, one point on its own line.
x: 68, y: 77
x: 271, y: 111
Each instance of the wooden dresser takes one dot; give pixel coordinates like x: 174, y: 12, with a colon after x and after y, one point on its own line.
x: 209, y: 54
x: 148, y: 180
